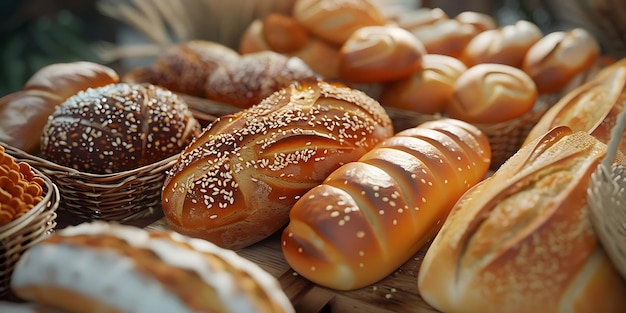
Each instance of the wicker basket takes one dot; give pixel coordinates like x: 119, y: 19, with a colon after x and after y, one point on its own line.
x: 505, y: 138
x: 121, y: 196
x: 19, y: 235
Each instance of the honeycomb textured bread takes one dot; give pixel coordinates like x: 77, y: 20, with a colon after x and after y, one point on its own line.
x: 234, y: 185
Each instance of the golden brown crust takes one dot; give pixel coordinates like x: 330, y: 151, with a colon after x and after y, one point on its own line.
x: 447, y: 37
x: 593, y: 107
x: 185, y: 67
x: 335, y: 20
x: 252, y: 39
x: 558, y: 57
x: 419, y: 17
x: 254, y: 77
x: 370, y: 216
x: 429, y: 90
x: 492, y: 93
x: 235, y: 184
x: 380, y: 54
x: 117, y: 127
x: 504, y: 45
x: 24, y: 113
x: 480, y: 21
x: 521, y: 240
x: 283, y: 33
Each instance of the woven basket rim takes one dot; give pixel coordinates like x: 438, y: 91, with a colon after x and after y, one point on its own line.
x: 47, y: 165
x: 22, y: 221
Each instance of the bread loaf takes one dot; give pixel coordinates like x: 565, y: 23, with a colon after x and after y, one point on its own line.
x: 447, y: 37
x: 429, y: 90
x: 235, y: 184
x: 335, y: 20
x: 117, y: 127
x: 593, y: 107
x: 480, y: 21
x: 507, y: 44
x: 185, y: 67
x: 254, y: 77
x: 24, y: 113
x: 522, y: 241
x: 558, y: 57
x: 379, y: 54
x: 370, y: 216
x: 492, y: 93
x: 100, y: 267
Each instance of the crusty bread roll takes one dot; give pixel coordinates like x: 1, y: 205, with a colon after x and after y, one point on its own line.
x: 522, y: 241
x: 428, y: 90
x: 370, y: 216
x: 252, y: 39
x: 24, y: 113
x: 235, y: 184
x: 117, y: 127
x: 480, y: 21
x: 185, y: 66
x: 254, y: 77
x: 379, y: 54
x: 283, y: 33
x: 321, y: 57
x: 558, y: 57
x: 593, y: 107
x: 335, y: 20
x: 447, y: 37
x: 507, y: 44
x: 419, y: 17
x: 491, y: 93
x: 107, y: 267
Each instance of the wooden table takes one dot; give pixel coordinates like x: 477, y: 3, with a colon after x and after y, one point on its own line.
x: 394, y: 294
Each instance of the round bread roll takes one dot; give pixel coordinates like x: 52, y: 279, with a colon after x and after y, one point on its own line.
x: 492, y: 93
x: 185, y: 67
x: 413, y: 19
x: 428, y: 90
x: 109, y: 267
x: 235, y: 184
x: 283, y: 33
x: 480, y: 21
x: 335, y: 20
x: 117, y: 127
x: 252, y: 39
x: 254, y: 77
x: 446, y: 37
x: 321, y: 57
x: 557, y: 58
x: 24, y: 113
x: 522, y: 240
x: 380, y: 54
x: 504, y: 45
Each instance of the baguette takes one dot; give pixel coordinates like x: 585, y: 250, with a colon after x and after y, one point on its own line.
x: 522, y: 241
x: 370, y: 216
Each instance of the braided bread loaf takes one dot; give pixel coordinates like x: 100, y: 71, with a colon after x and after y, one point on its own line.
x: 369, y: 217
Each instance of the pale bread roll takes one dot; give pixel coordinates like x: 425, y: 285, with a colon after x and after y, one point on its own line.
x: 379, y: 54
x: 492, y: 93
x: 335, y: 20
x: 554, y: 60
x: 480, y: 21
x: 507, y: 44
x: 428, y: 90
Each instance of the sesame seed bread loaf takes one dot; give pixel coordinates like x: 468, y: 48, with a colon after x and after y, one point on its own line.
x: 370, y: 216
x: 24, y: 113
x: 522, y: 241
x: 117, y: 127
x: 109, y: 267
x: 234, y: 185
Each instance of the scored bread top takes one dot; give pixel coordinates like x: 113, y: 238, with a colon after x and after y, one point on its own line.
x: 131, y: 269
